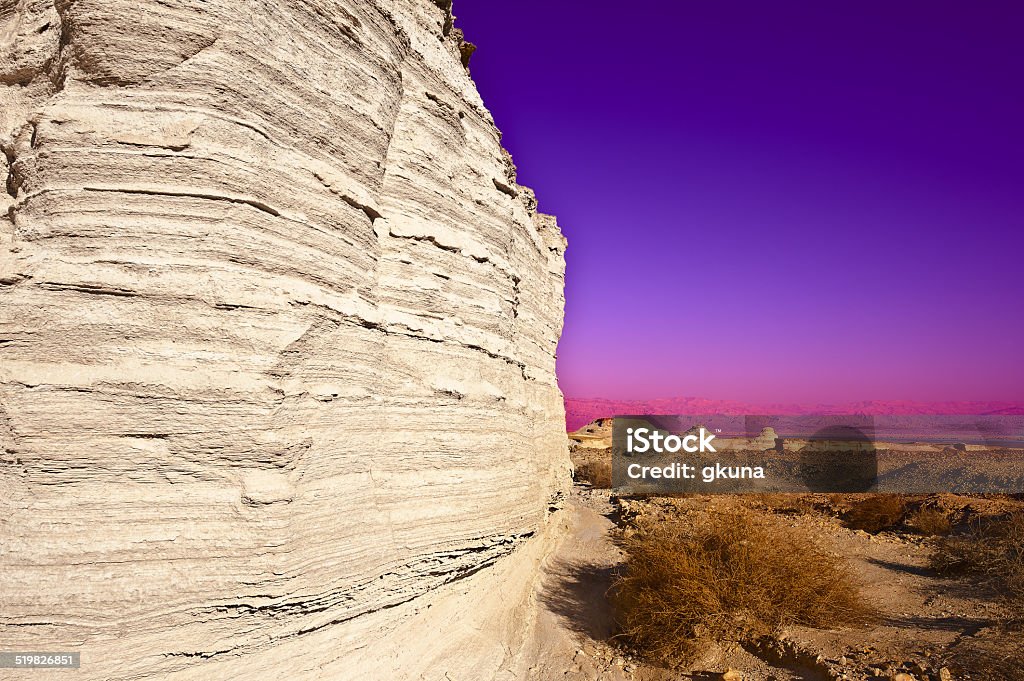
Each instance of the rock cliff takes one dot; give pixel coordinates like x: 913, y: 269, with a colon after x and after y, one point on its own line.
x: 277, y: 338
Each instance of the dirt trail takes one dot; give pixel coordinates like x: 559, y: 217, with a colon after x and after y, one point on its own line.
x: 573, y: 620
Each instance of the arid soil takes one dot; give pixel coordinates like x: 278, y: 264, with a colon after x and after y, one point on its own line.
x: 927, y: 626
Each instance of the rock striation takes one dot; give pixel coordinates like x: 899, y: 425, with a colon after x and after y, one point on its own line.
x: 277, y: 340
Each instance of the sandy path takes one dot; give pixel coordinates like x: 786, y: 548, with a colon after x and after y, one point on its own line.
x: 573, y: 620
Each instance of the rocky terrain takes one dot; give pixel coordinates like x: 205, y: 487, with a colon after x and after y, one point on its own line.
x: 926, y: 623
x: 277, y: 336
x: 927, y: 626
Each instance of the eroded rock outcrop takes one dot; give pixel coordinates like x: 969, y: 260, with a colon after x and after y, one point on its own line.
x: 277, y: 336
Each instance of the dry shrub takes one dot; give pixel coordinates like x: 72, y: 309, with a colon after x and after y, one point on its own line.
x: 734, y: 579
x: 597, y: 473
x: 991, y: 553
x: 931, y: 522
x: 876, y: 514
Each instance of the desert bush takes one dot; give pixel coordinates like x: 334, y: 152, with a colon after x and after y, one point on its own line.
x: 733, y: 579
x: 991, y: 553
x: 930, y: 521
x: 876, y: 513
x: 597, y: 473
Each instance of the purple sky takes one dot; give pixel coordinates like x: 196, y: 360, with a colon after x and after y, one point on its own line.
x: 814, y: 201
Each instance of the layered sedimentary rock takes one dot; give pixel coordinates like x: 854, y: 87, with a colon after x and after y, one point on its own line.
x: 277, y: 336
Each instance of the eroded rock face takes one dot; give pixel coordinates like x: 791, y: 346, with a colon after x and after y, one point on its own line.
x: 277, y: 336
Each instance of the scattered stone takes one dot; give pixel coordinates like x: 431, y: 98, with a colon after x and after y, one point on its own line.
x: 945, y: 674
x: 732, y: 675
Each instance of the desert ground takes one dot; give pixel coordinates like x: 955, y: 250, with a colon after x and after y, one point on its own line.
x: 923, y: 625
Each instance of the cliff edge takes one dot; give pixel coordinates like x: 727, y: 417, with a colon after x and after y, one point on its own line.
x: 277, y: 340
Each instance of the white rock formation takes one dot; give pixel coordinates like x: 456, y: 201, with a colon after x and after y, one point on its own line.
x: 277, y: 337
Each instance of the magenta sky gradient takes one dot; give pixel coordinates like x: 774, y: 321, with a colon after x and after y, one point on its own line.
x: 773, y: 201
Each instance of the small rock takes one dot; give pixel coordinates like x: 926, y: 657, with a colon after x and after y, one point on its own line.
x: 945, y: 674
x: 732, y: 675
x: 903, y: 676
x: 618, y: 662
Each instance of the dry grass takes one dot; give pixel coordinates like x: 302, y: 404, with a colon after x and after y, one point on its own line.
x: 931, y: 522
x: 597, y: 473
x: 876, y: 513
x: 734, y: 579
x: 991, y: 554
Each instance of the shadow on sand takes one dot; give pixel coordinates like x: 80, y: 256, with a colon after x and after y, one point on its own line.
x: 578, y: 593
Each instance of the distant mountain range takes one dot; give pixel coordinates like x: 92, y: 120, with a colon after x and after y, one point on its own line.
x: 581, y: 411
